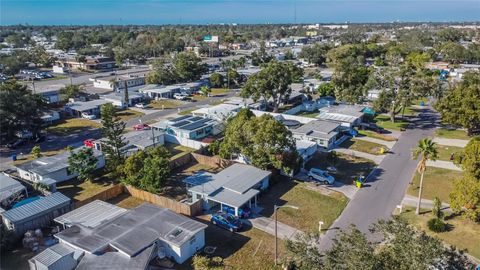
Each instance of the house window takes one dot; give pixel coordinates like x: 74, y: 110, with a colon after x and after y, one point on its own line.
x: 193, y: 240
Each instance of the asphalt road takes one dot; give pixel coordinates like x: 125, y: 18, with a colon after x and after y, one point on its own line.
x: 386, y: 186
x: 76, y: 140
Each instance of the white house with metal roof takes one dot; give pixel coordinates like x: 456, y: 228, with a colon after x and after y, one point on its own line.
x: 136, y: 235
x: 91, y: 215
x: 235, y: 186
x: 220, y: 112
x: 53, y: 167
x: 347, y: 115
x: 91, y: 107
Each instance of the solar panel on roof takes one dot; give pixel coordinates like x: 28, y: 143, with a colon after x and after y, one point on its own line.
x: 195, y: 118
x: 181, y: 123
x: 196, y: 125
x: 180, y: 118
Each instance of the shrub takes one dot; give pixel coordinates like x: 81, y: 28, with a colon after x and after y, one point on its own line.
x: 437, y: 225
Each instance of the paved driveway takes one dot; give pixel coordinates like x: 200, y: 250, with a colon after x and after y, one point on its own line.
x: 386, y: 186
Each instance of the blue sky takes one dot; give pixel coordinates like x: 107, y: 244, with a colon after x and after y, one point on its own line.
x: 89, y: 12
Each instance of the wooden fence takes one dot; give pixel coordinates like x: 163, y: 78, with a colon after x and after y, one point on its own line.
x: 188, y: 209
x: 211, y: 161
x: 105, y: 195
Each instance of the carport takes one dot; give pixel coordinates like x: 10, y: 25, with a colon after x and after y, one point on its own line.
x: 233, y: 199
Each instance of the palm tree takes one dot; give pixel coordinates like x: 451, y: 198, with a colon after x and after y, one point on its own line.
x: 426, y: 150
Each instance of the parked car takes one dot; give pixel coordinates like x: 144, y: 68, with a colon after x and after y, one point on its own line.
x: 372, y: 127
x: 226, y: 221
x: 141, y: 105
x: 88, y: 116
x: 141, y: 127
x: 180, y: 96
x: 320, y: 176
x: 243, y: 212
x: 17, y: 143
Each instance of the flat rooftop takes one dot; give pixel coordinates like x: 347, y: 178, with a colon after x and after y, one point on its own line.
x: 91, y: 215
x: 134, y: 230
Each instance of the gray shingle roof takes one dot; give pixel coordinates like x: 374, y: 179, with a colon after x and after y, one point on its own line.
x: 36, y: 208
x: 318, y: 129
x: 114, y: 260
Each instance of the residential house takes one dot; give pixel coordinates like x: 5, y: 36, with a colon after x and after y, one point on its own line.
x: 136, y: 141
x: 220, y: 112
x: 189, y: 127
x: 324, y: 133
x: 53, y: 167
x: 236, y: 186
x: 91, y: 107
x: 10, y: 189
x: 260, y: 105
x: 158, y: 91
x: 348, y: 116
x: 306, y: 150
x: 36, y: 214
x: 118, y: 99
x: 50, y: 93
x: 130, y: 239
x: 50, y: 116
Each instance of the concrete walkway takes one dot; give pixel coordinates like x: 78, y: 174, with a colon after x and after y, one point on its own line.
x: 375, y: 158
x: 388, y: 144
x: 267, y: 225
x: 444, y: 165
x: 450, y: 142
x: 410, y: 200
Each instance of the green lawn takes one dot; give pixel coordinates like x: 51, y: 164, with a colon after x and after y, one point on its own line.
x: 219, y: 91
x: 437, y: 182
x: 464, y: 234
x: 348, y: 167
x: 375, y: 135
x: 384, y: 121
x: 79, y: 191
x: 165, y: 104
x: 313, y: 114
x: 188, y: 111
x: 363, y: 146
x: 177, y: 150
x: 314, y: 204
x: 452, y: 134
x: 73, y: 125
x: 128, y: 114
x: 445, y: 151
x: 56, y: 77
x: 248, y: 249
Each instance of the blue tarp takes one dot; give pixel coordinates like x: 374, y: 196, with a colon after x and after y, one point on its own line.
x: 25, y: 201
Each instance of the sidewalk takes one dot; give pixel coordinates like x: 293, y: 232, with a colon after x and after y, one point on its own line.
x: 450, y: 142
x: 444, y: 165
x: 382, y: 142
x: 267, y: 225
x: 410, y: 200
x: 377, y: 159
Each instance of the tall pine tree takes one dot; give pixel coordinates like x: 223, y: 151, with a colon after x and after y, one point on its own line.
x: 112, y: 129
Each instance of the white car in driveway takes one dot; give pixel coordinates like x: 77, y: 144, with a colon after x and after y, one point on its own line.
x: 141, y: 105
x: 180, y: 96
x: 320, y: 176
x: 88, y: 116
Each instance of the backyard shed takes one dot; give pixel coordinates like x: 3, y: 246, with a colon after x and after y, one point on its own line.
x: 9, y: 188
x: 57, y: 257
x: 36, y: 214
